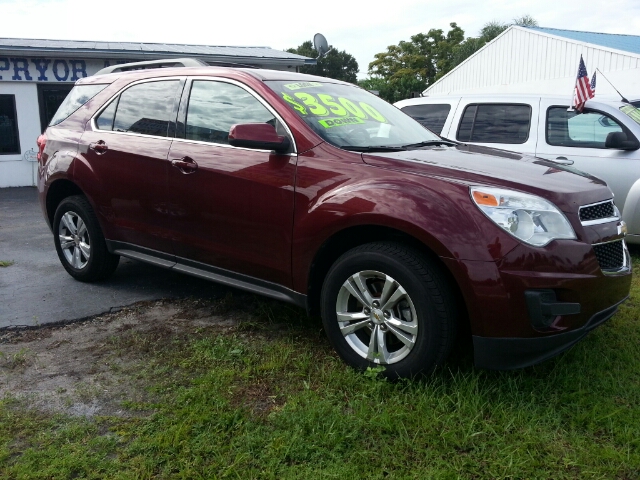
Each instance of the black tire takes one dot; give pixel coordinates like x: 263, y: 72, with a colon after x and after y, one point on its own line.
x: 85, y: 264
x: 427, y: 304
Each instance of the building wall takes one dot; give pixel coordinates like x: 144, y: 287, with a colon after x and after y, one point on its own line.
x: 522, y: 58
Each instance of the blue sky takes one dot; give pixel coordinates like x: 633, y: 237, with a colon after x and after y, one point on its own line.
x: 361, y: 28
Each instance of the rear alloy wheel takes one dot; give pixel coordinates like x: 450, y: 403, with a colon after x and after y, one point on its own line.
x: 79, y: 241
x: 385, y: 304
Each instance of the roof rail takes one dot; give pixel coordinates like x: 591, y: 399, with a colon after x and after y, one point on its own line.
x: 173, y: 62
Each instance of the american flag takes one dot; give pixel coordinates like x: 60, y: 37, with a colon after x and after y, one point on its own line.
x: 583, y: 88
x: 593, y: 83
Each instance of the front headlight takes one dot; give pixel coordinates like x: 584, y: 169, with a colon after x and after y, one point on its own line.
x: 527, y: 217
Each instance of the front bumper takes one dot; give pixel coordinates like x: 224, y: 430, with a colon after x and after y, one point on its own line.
x: 535, y: 303
x: 512, y: 353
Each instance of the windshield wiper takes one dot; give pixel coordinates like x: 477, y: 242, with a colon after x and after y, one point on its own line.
x: 429, y: 143
x: 372, y: 148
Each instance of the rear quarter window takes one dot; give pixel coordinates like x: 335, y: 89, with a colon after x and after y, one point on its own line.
x: 78, y: 96
x: 495, y: 123
x: 432, y: 116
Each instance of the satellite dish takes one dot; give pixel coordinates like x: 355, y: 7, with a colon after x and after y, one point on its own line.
x: 320, y: 44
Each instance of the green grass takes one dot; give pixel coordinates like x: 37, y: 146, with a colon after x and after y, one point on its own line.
x: 6, y: 263
x: 267, y: 402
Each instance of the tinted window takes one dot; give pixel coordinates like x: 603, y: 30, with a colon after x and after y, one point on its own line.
x: 215, y: 106
x: 78, y: 96
x: 586, y: 130
x: 495, y: 123
x: 147, y: 108
x: 430, y: 116
x: 9, y: 143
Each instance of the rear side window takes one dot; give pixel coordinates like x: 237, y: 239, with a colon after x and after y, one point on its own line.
x: 430, y: 116
x: 495, y: 123
x: 215, y: 106
x: 78, y: 96
x: 146, y: 108
x: 586, y: 130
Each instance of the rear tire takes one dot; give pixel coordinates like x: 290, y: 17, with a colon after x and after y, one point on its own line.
x: 79, y: 241
x: 386, y: 304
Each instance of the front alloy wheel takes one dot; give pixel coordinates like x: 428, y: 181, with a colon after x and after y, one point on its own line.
x: 377, y: 317
x: 387, y: 304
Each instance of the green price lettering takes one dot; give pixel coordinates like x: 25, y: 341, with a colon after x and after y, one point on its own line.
x: 352, y: 108
x: 312, y: 102
x: 335, y: 108
x: 372, y: 112
x: 294, y: 104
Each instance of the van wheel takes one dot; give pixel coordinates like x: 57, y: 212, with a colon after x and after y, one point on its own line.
x: 80, y: 243
x: 385, y: 304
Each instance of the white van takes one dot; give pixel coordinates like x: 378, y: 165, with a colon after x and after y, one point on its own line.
x: 603, y: 140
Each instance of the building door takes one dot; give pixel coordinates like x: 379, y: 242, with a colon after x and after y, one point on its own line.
x: 49, y: 98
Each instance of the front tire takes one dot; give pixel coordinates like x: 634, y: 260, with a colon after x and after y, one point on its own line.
x: 386, y: 304
x: 79, y: 241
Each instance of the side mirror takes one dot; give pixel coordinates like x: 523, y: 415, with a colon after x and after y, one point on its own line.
x: 620, y: 141
x: 262, y: 136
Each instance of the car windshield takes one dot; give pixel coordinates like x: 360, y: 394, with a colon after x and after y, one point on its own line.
x: 632, y: 112
x: 352, y: 118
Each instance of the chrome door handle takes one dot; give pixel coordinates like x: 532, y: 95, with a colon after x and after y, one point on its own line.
x: 99, y: 147
x: 185, y: 165
x: 563, y: 161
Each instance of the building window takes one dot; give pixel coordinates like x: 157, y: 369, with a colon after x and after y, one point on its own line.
x: 9, y: 140
x: 495, y: 123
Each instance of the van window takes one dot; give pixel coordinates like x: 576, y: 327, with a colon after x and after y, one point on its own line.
x: 572, y: 129
x: 495, y: 123
x: 431, y: 116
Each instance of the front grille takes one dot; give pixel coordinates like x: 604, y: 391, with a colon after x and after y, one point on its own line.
x: 610, y: 255
x: 597, y: 211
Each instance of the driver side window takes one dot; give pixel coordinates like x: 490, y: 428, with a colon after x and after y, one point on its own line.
x: 573, y: 129
x: 215, y: 106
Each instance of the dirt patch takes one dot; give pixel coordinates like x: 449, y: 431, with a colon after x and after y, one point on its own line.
x: 89, y: 368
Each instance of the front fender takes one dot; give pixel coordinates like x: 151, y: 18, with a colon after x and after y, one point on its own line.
x: 436, y: 212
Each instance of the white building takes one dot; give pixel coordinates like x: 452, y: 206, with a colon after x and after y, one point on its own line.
x: 545, y: 60
x: 36, y: 75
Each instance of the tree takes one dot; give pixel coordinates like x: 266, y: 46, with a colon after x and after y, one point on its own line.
x: 412, y: 66
x: 335, y: 64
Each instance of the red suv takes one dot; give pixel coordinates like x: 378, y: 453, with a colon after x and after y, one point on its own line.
x: 315, y: 192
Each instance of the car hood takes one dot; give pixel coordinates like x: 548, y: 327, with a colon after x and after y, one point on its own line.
x: 475, y: 165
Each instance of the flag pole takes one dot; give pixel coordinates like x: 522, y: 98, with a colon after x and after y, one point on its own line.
x: 573, y: 90
x: 621, y: 96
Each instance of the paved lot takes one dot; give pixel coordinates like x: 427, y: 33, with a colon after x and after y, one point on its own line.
x: 36, y: 289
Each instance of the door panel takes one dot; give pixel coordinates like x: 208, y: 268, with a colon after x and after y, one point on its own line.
x: 133, y: 185
x: 235, y: 211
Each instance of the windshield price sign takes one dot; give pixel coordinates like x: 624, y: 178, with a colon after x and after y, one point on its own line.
x: 323, y: 105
